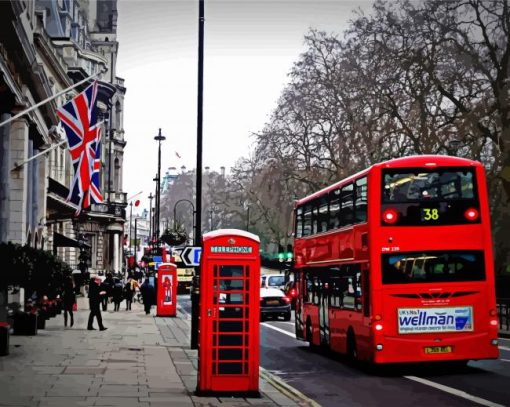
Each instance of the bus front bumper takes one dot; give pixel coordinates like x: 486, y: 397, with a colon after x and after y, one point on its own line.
x: 436, y: 348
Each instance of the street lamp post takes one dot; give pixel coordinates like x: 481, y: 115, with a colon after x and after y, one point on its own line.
x: 150, y: 215
x: 198, y: 222
x: 159, y: 138
x: 130, y: 223
x: 136, y: 244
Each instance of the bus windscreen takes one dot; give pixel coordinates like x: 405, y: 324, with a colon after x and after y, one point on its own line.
x: 419, y: 197
x: 433, y: 267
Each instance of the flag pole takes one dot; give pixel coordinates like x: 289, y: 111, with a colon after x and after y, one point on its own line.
x: 49, y: 99
x: 18, y: 166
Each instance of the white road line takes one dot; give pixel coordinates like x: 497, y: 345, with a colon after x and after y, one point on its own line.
x: 455, y: 392
x: 503, y: 347
x: 505, y: 360
x: 283, y: 331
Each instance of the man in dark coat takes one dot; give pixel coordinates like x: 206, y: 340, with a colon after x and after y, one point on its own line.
x: 148, y: 295
x: 94, y: 303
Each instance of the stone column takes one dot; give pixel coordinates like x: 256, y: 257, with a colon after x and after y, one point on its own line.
x: 5, y: 178
x: 18, y: 192
x: 116, y: 267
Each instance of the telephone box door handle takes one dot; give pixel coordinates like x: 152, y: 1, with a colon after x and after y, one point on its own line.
x: 209, y: 312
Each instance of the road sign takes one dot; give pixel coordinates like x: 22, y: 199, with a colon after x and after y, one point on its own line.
x: 191, y: 255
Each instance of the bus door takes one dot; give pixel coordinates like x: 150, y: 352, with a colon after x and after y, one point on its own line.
x: 323, y: 290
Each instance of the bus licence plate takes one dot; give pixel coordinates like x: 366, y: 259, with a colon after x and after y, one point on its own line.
x: 438, y: 349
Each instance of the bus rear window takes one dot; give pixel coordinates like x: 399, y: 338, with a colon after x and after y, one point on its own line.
x: 421, y: 197
x: 433, y: 267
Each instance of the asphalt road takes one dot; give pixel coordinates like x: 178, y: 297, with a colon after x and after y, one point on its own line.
x: 331, y: 381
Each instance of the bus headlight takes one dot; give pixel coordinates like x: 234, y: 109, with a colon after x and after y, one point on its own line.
x: 379, y: 346
x: 494, y: 342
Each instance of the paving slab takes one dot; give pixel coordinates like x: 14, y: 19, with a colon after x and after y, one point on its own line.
x: 139, y: 361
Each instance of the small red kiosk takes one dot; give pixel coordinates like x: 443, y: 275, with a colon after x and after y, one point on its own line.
x: 166, y: 304
x: 229, y: 314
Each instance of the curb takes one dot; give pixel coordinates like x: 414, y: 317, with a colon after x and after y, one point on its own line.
x: 287, y: 390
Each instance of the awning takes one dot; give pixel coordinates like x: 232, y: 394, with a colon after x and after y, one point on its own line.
x: 60, y: 240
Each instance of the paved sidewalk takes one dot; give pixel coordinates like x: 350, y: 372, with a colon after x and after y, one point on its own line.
x: 140, y: 360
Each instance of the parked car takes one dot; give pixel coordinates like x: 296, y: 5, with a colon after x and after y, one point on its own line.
x: 273, y: 281
x: 274, y: 303
x: 291, y: 292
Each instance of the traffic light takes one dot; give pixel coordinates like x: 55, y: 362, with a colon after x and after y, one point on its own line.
x: 289, y: 254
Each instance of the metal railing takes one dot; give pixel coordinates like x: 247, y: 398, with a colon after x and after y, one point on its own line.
x: 503, y: 305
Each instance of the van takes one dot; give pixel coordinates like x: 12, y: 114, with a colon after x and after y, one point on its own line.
x: 272, y: 281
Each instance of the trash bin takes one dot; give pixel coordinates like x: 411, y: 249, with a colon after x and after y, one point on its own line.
x: 24, y: 323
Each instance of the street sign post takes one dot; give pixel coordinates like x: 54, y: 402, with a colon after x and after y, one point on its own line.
x: 190, y: 255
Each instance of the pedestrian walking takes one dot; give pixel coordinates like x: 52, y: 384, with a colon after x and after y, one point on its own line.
x: 95, y: 294
x: 68, y: 300
x: 129, y: 292
x: 117, y: 294
x: 148, y: 294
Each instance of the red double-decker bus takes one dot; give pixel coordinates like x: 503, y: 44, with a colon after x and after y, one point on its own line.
x: 394, y: 264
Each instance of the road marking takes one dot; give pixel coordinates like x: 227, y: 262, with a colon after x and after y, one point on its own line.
x: 505, y: 360
x: 455, y: 392
x: 503, y: 347
x: 283, y: 331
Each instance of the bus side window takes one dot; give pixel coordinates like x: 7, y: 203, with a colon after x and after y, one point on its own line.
x: 299, y: 222
x: 358, y: 290
x: 361, y: 200
x: 309, y: 289
x: 315, y: 217
x: 316, y: 290
x: 323, y: 214
x: 334, y: 209
x: 365, y: 292
x: 335, y: 292
x: 307, y: 220
x: 346, y: 205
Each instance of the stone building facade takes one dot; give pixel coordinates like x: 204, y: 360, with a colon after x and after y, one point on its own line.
x: 46, y: 46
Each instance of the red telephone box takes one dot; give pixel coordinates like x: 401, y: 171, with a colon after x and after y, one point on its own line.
x: 229, y: 314
x: 167, y: 290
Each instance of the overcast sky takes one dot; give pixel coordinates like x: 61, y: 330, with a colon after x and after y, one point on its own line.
x: 250, y: 47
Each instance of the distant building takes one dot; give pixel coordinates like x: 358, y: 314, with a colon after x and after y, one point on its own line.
x: 45, y: 47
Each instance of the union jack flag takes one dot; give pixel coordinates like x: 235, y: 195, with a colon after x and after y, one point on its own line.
x: 95, y: 192
x: 79, y: 119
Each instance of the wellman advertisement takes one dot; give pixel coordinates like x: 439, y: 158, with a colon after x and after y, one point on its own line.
x: 433, y: 320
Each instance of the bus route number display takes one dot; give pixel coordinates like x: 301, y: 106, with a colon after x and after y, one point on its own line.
x: 429, y: 214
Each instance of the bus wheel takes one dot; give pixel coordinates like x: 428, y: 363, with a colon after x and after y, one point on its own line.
x: 352, y: 352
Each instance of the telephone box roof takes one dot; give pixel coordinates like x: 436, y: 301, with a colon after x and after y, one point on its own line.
x: 228, y: 232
